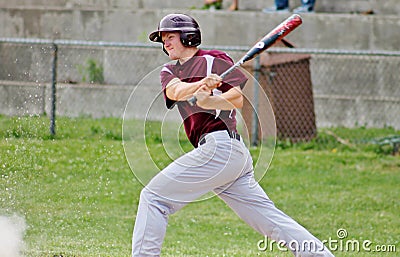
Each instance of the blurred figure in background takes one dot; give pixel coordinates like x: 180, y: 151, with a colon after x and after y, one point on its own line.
x: 217, y: 4
x: 307, y: 6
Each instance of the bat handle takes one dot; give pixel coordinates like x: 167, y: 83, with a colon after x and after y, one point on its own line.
x: 192, y: 100
x: 232, y: 68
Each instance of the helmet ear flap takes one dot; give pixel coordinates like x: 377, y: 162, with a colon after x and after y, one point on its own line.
x: 190, y: 38
x: 165, y: 51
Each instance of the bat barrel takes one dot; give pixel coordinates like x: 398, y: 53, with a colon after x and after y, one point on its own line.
x: 276, y: 34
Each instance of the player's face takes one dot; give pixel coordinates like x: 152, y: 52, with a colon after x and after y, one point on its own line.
x: 173, y: 45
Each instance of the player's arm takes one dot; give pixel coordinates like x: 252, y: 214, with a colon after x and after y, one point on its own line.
x: 178, y: 90
x: 231, y: 99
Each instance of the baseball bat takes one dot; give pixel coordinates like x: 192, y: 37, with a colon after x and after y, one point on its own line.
x: 278, y: 33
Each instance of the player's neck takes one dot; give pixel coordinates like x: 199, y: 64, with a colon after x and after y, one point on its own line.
x: 187, y: 54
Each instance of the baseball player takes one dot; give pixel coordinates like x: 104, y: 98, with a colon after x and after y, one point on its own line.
x: 220, y: 161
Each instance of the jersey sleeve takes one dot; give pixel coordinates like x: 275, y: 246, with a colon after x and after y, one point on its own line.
x: 166, y: 75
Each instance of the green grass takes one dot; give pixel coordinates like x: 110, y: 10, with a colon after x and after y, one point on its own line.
x: 79, y: 197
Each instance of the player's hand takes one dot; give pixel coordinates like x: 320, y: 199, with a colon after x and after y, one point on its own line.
x: 212, y: 81
x: 202, y: 95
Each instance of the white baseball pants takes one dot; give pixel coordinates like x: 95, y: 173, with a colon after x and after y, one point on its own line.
x: 222, y: 165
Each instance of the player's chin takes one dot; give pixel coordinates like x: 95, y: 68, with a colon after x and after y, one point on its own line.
x: 172, y: 56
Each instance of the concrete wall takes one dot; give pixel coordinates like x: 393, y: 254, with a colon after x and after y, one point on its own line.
x: 121, y: 66
x: 348, y: 91
x: 142, y: 101
x: 327, y: 31
x: 22, y: 98
x: 356, y: 91
x: 371, y: 99
x: 336, y: 6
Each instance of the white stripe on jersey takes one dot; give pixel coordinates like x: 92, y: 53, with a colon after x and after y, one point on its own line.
x: 210, y: 61
x: 166, y: 69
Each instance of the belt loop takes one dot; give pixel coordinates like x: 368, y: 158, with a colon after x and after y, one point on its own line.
x: 234, y: 135
x: 202, y: 139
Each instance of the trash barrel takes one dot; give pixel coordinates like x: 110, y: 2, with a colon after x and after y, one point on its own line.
x: 286, y: 80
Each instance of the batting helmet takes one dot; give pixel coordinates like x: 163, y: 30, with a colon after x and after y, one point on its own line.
x: 186, y: 25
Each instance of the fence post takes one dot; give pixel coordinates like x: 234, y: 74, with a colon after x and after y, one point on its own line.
x: 254, y: 124
x: 53, y: 98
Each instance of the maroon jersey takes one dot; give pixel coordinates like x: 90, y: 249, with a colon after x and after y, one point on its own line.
x: 198, y: 121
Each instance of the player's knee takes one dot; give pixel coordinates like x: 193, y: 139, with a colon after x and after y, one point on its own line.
x: 154, y: 201
x: 146, y: 196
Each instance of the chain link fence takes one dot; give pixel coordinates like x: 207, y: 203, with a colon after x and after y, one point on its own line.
x: 307, y: 88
